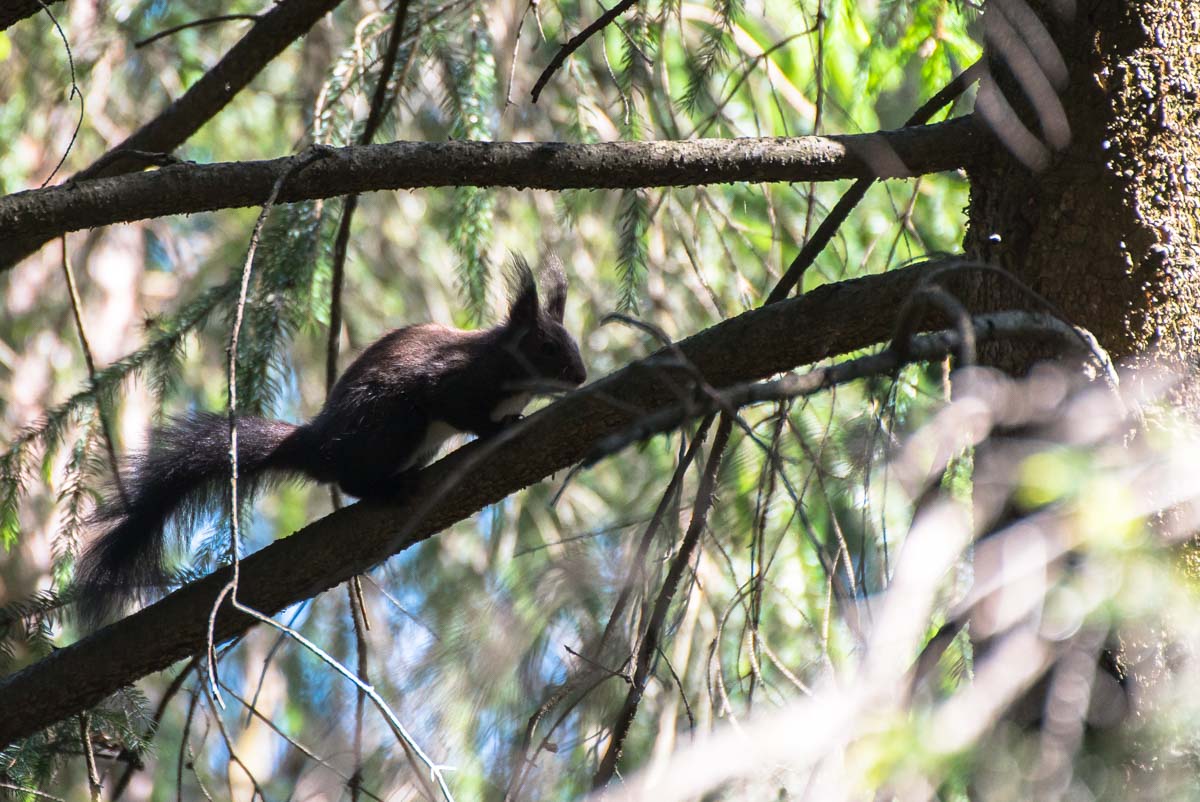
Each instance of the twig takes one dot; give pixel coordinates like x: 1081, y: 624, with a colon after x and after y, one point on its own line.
x: 652, y: 528
x: 512, y: 66
x: 1085, y: 338
x: 75, y: 93
x: 841, y: 210
x: 266, y: 663
x: 398, y: 729
x: 159, y: 712
x: 358, y: 609
x: 654, y: 628
x: 253, y: 712
x: 31, y: 791
x: 89, y: 756
x: 635, y: 564
x: 298, y: 163
x: 687, y: 707
x: 914, y: 307
x: 575, y: 42
x: 603, y: 669
x: 358, y: 614
x: 233, y: 754
x: 934, y: 345
x: 342, y: 240
x: 184, y: 739
x: 86, y: 346
x: 193, y: 24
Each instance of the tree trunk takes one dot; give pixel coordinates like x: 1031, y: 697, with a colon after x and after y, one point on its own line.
x: 1107, y: 229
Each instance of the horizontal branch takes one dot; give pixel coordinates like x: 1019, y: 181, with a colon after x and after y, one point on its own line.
x: 830, y: 320
x: 189, y: 188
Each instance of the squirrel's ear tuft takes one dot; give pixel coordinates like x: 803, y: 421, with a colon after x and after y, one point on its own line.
x: 523, y: 311
x: 554, y: 284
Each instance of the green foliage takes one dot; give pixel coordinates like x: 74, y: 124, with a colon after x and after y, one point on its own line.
x: 631, y: 262
x: 165, y: 337
x: 83, y: 465
x: 712, y: 53
x: 27, y: 626
x: 121, y: 721
x: 280, y: 301
x: 469, y: 65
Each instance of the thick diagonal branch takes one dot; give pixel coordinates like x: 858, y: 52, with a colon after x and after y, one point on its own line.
x: 827, y: 321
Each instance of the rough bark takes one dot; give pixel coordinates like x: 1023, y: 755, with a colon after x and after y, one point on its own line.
x: 187, y: 188
x: 1108, y: 231
x: 1106, y: 227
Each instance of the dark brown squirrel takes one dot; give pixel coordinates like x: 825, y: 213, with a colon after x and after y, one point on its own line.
x: 386, y: 417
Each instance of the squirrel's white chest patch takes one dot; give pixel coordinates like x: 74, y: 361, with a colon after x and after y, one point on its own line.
x: 513, y: 405
x: 435, y: 436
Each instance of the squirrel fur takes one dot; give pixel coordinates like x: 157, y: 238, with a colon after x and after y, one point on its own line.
x: 385, y: 418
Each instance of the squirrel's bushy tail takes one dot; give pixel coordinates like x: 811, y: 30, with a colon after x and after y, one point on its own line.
x: 184, y: 471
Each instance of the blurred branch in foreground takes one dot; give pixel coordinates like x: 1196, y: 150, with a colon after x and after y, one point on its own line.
x: 1088, y: 563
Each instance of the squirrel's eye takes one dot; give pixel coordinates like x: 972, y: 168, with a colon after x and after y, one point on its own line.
x: 549, y: 348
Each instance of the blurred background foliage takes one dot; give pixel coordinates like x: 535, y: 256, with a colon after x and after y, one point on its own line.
x: 475, y: 629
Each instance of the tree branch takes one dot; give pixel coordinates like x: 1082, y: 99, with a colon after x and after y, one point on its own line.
x: 830, y: 320
x: 273, y: 32
x: 577, y: 42
x: 270, y: 36
x: 188, y: 188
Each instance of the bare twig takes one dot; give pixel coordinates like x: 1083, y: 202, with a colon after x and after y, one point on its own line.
x: 648, y: 648
x: 89, y: 756
x: 921, y: 348
x: 31, y: 791
x: 342, y: 239
x: 845, y: 205
x: 525, y: 760
x: 169, y: 694
x: 298, y: 163
x: 194, y: 24
x: 88, y: 357
x: 402, y: 735
x: 254, y: 712
x: 75, y: 93
x: 233, y: 753
x: 358, y: 609
x: 576, y: 42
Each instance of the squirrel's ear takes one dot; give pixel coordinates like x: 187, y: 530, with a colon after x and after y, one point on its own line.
x: 554, y: 283
x: 523, y: 311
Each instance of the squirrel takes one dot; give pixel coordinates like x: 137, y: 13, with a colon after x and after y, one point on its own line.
x: 385, y: 418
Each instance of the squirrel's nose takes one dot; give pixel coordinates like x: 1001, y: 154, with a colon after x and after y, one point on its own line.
x: 575, y: 374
